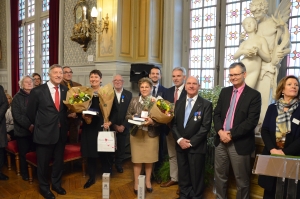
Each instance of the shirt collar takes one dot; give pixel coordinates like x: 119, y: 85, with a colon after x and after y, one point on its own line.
x: 180, y: 88
x: 194, y: 98
x: 117, y: 91
x: 49, y: 83
x: 240, y: 89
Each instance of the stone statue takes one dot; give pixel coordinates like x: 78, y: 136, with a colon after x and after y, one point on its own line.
x: 255, y: 50
x: 275, y: 31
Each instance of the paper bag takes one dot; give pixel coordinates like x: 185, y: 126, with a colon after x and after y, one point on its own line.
x: 106, y: 141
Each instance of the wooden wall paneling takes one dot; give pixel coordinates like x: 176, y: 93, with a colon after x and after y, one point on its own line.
x: 126, y: 27
x: 156, y: 31
x: 142, y: 30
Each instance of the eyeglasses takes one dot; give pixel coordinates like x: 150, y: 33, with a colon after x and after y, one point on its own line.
x: 117, y: 80
x: 234, y: 75
x: 68, y: 72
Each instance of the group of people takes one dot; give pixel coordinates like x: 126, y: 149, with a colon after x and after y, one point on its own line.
x: 42, y: 120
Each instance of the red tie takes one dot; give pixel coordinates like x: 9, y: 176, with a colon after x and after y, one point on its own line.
x: 56, y: 98
x: 176, y: 95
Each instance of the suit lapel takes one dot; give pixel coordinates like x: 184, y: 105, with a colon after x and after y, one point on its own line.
x: 242, y: 97
x: 228, y: 98
x: 62, y: 98
x: 48, y: 96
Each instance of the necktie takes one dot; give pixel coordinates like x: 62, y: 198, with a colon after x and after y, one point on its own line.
x: 188, y: 110
x: 153, y: 92
x: 176, y: 95
x: 56, y: 100
x: 230, y: 112
x: 69, y: 85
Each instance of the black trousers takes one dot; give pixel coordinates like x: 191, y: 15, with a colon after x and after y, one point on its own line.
x: 25, y: 144
x: 106, y: 162
x: 2, y: 154
x: 191, y: 169
x: 46, y: 153
x: 120, y: 153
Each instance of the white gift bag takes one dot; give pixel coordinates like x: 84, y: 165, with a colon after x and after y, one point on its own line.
x: 106, y: 141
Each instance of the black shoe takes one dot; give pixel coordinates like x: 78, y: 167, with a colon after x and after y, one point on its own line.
x: 135, y: 191
x: 47, y: 194
x: 89, y: 183
x: 149, y: 190
x: 119, y: 169
x: 3, y: 177
x: 59, y: 190
x: 25, y: 177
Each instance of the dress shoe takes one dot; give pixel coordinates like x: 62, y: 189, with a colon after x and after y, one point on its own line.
x: 25, y: 178
x: 3, y: 177
x: 47, y: 194
x: 149, y: 190
x: 89, y: 183
x: 135, y: 191
x: 59, y: 190
x: 168, y: 184
x: 119, y: 169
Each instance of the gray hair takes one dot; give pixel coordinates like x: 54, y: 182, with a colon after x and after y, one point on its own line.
x: 22, y: 80
x: 240, y: 64
x: 116, y: 76
x: 55, y: 66
x: 180, y: 69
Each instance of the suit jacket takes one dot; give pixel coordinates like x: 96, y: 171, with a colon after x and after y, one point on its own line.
x: 292, y: 142
x: 169, y: 94
x: 135, y: 107
x: 119, y: 110
x: 160, y: 91
x: 195, y: 131
x: 73, y: 84
x: 245, y: 120
x: 43, y: 114
x: 3, y: 109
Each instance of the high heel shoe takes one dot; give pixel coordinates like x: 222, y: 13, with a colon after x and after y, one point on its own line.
x: 149, y: 190
x: 135, y: 191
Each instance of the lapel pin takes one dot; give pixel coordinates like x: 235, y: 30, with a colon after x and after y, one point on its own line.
x: 199, y: 115
x: 195, y: 116
x: 122, y: 98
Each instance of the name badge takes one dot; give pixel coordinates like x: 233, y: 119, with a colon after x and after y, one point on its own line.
x: 296, y: 121
x: 144, y: 114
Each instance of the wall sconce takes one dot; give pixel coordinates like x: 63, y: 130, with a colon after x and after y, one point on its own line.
x: 83, y: 30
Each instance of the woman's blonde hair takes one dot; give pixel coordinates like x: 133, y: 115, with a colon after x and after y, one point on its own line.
x: 145, y: 80
x: 281, y: 86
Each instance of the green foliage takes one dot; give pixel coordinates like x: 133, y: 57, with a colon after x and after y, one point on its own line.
x: 164, y: 170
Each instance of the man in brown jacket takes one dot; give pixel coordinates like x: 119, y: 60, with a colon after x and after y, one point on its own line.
x: 74, y: 123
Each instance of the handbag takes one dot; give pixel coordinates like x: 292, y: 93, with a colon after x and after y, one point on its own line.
x: 106, y: 141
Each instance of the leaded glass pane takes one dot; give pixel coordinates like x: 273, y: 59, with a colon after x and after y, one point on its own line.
x: 31, y: 8
x: 195, y: 58
x: 232, y: 38
x: 46, y: 5
x: 295, y: 8
x: 207, y: 79
x: 45, y: 47
x: 294, y: 56
x: 210, y: 2
x: 196, y: 4
x: 196, y: 38
x: 293, y: 71
x: 233, y: 13
x: 209, y: 37
x: 21, y: 51
x: 196, y: 18
x: 226, y: 79
x: 294, y: 25
x: 208, y: 58
x: 30, y: 48
x: 209, y: 18
x: 21, y: 9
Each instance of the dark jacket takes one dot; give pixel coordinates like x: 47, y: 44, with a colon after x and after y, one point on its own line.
x: 18, y: 109
x: 292, y: 142
x: 72, y: 84
x: 245, y: 118
x: 3, y: 108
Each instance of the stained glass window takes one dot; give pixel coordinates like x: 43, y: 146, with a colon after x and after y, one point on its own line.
x: 45, y: 49
x: 46, y: 4
x: 203, y: 41
x: 33, y: 39
x: 293, y: 59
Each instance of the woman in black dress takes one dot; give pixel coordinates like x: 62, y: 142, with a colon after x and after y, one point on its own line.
x: 90, y: 134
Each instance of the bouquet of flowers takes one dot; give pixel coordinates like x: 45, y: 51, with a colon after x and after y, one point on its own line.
x: 106, y: 98
x: 162, y: 111
x: 148, y: 103
x: 78, y: 99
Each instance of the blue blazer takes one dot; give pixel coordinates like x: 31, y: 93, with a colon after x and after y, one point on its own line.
x: 292, y: 142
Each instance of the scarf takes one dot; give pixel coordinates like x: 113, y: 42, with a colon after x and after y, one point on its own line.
x: 283, y: 120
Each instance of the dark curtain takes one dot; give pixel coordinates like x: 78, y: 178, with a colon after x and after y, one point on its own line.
x: 14, y: 10
x: 54, y: 31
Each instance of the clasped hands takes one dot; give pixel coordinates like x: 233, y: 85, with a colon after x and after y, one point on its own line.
x: 225, y: 136
x: 184, y: 143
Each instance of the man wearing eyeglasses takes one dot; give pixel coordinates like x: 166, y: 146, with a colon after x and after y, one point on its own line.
x: 74, y: 123
x: 235, y: 118
x: 117, y: 117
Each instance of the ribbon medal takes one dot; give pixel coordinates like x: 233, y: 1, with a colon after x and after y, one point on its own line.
x: 199, y: 115
x: 195, y: 116
x: 122, y: 98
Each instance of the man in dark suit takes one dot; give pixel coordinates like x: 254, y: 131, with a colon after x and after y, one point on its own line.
x: 49, y: 115
x: 155, y: 76
x: 117, y: 117
x: 191, y: 124
x: 235, y: 118
x: 173, y: 94
x: 74, y: 123
x: 3, y: 136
